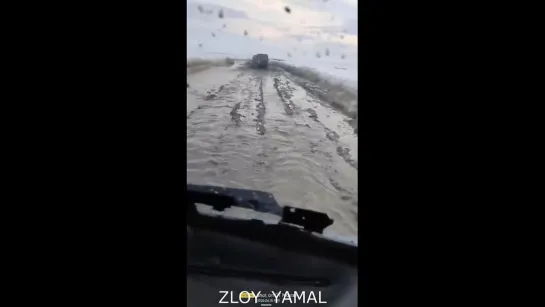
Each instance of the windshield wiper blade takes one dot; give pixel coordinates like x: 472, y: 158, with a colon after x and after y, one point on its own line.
x: 221, y: 198
x: 217, y: 270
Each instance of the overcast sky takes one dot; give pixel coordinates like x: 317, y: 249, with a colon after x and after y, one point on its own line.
x: 328, y: 28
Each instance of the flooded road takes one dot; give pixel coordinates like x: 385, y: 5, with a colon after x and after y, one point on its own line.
x: 259, y: 129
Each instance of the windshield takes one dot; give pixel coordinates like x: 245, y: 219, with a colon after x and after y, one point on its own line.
x: 272, y: 102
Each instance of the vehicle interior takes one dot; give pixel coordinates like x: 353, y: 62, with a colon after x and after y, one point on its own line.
x: 234, y: 254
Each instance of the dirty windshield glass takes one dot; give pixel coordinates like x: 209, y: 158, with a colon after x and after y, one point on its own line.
x: 272, y: 101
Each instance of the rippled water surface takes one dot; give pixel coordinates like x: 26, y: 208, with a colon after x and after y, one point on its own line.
x: 259, y: 129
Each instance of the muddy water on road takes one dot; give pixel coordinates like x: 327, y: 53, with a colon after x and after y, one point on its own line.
x: 259, y: 130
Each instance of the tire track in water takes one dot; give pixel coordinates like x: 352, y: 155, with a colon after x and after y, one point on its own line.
x: 212, y: 107
x: 260, y: 109
x: 235, y: 116
x: 211, y: 95
x: 288, y: 91
x: 296, y: 127
x: 343, y: 152
x: 285, y: 95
